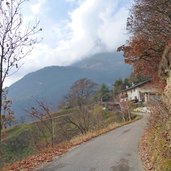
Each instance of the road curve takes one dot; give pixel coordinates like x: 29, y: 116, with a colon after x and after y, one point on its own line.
x: 113, y: 151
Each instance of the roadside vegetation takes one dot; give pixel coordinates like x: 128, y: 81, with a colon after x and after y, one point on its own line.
x: 148, y: 50
x: 155, y: 144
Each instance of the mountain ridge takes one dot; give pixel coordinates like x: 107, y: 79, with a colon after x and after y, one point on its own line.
x: 51, y: 83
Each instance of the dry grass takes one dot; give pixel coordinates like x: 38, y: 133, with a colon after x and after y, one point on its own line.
x: 93, y: 134
x: 155, y: 146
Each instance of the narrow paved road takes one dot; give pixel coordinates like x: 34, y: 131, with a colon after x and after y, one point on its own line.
x: 114, y: 151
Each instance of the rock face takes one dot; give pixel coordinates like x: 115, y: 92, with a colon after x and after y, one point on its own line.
x: 167, y: 91
x: 165, y: 73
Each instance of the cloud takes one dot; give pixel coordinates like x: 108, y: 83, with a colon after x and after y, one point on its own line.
x: 93, y: 21
x: 92, y: 26
x: 36, y: 7
x: 75, y: 1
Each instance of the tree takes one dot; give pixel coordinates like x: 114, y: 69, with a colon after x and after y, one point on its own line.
x: 80, y: 99
x: 150, y: 28
x: 135, y: 78
x: 126, y: 109
x: 16, y: 40
x: 126, y: 83
x: 118, y: 86
x: 7, y: 115
x: 44, y: 118
x: 103, y: 94
x: 81, y: 93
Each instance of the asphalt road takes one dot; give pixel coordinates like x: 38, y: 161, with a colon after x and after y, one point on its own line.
x: 114, y: 151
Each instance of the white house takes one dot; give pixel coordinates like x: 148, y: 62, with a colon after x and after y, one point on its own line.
x: 141, y: 92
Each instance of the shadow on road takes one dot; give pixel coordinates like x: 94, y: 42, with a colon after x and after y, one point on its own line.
x: 122, y: 166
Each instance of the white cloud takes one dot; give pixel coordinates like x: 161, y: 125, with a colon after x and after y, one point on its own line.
x: 74, y: 1
x: 93, y: 21
x: 37, y: 7
x: 95, y: 25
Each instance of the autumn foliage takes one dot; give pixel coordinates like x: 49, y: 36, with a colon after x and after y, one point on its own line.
x: 148, y: 50
x: 149, y: 25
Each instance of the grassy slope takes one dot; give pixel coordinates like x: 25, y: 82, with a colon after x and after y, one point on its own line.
x: 156, y: 142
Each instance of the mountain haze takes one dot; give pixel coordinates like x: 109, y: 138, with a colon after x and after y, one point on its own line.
x: 51, y: 84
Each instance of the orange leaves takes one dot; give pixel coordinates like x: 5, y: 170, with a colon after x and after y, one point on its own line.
x: 32, y: 162
x: 149, y: 23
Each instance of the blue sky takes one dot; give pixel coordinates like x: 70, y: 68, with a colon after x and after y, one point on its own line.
x: 72, y: 30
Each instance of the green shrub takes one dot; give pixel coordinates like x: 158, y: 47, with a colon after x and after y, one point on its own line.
x: 17, y: 145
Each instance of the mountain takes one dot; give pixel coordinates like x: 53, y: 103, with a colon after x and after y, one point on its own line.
x: 103, y: 61
x: 51, y: 84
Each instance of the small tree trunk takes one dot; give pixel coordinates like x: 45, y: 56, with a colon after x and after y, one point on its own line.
x: 129, y: 115
x: 0, y: 116
x: 1, y: 89
x: 53, y: 131
x: 123, y: 116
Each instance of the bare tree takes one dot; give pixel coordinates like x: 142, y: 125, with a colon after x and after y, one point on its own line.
x: 44, y: 117
x: 16, y: 40
x: 80, y: 99
x: 126, y: 109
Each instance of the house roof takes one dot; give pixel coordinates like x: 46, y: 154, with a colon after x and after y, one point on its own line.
x: 137, y: 85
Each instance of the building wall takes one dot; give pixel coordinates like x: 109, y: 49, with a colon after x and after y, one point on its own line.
x: 139, y: 92
x: 133, y: 93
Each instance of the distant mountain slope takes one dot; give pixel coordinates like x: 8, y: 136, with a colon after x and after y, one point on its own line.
x: 103, y: 61
x: 51, y: 84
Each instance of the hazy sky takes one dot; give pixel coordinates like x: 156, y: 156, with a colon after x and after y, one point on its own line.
x: 73, y: 29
